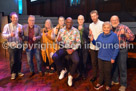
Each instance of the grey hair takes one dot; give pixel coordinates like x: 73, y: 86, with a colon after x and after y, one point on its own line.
x: 94, y: 11
x: 50, y: 22
x: 107, y: 23
x: 31, y: 16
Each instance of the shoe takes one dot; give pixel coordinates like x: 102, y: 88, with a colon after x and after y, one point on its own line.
x: 93, y: 79
x: 114, y: 83
x: 107, y: 88
x: 122, y: 88
x: 20, y: 74
x: 41, y: 74
x: 62, y: 73
x: 70, y: 78
x: 13, y: 76
x: 52, y: 70
x: 32, y: 74
x: 98, y: 86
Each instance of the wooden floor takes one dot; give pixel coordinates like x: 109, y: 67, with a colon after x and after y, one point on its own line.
x: 51, y: 82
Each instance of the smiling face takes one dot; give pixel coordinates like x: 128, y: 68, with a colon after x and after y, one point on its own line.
x: 94, y: 17
x: 106, y: 28
x: 80, y: 20
x: 61, y: 21
x: 31, y: 21
x: 114, y: 21
x: 48, y: 24
x: 14, y: 19
x: 69, y: 23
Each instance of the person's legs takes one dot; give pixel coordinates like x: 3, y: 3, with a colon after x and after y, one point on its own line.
x: 107, y: 72
x: 122, y: 62
x: 101, y: 71
x: 57, y: 57
x: 94, y: 59
x: 38, y: 59
x: 29, y: 54
x: 19, y: 58
x: 75, y: 60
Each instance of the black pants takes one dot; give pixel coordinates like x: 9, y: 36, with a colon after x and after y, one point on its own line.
x: 59, y: 57
x: 83, y: 55
x: 94, y: 59
x: 15, y: 56
x: 105, y: 68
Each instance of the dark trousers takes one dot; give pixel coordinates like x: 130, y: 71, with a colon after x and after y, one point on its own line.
x: 105, y: 68
x: 94, y: 59
x: 83, y: 55
x: 59, y: 57
x: 120, y: 68
x: 15, y: 56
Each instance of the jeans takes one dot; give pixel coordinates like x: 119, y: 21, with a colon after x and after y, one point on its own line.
x: 15, y: 56
x: 120, y: 68
x: 30, y: 54
x: 59, y: 56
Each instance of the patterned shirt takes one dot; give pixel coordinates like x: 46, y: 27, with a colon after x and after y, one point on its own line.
x: 123, y: 40
x: 70, y: 39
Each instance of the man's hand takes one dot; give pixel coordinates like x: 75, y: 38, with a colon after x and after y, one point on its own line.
x: 122, y: 31
x: 12, y: 34
x: 19, y: 29
x: 112, y: 61
x: 46, y: 34
x: 70, y: 51
x: 59, y: 38
x: 34, y: 38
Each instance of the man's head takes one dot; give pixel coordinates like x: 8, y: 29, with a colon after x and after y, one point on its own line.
x: 48, y: 24
x: 31, y: 20
x: 94, y: 16
x: 114, y: 21
x: 14, y: 17
x: 80, y: 20
x: 107, y: 27
x: 69, y: 23
x: 61, y: 21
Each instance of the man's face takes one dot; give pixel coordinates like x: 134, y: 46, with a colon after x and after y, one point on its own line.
x: 69, y: 23
x: 80, y: 20
x: 94, y: 17
x: 61, y: 21
x: 107, y: 28
x: 31, y: 21
x: 14, y: 19
x: 114, y: 21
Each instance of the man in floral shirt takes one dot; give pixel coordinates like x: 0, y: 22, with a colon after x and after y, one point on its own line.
x: 69, y: 40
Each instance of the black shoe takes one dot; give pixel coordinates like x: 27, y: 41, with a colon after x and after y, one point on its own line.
x: 40, y: 73
x: 32, y: 74
x: 84, y: 76
x: 93, y: 79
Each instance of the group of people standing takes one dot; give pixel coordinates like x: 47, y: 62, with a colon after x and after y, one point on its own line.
x: 68, y: 52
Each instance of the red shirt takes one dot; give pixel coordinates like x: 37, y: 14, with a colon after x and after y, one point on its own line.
x: 30, y: 38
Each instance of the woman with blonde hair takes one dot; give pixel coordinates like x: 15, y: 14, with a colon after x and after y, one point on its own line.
x: 48, y: 49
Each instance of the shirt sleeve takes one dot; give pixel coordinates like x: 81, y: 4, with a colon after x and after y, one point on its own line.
x: 6, y: 33
x: 131, y: 35
x: 116, y: 47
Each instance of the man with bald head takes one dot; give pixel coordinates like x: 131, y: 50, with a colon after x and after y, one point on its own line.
x: 69, y: 40
x: 83, y: 51
x: 124, y: 35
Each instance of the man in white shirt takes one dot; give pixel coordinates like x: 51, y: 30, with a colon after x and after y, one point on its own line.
x: 95, y: 28
x: 12, y: 33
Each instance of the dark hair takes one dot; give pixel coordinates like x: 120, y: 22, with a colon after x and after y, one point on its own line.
x: 12, y: 13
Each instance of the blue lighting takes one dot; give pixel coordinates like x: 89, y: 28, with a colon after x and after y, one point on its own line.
x: 20, y: 6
